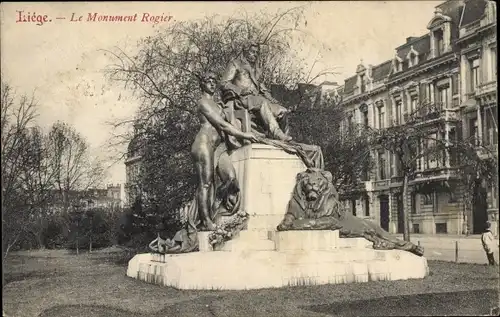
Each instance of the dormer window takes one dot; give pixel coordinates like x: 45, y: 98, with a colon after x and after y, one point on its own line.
x: 440, y: 32
x: 412, y: 57
x: 364, y: 78
x: 362, y: 83
x: 438, y: 42
x: 397, y: 64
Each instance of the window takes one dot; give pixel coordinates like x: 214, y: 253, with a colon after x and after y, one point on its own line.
x: 431, y: 156
x: 490, y: 122
x: 367, y: 207
x: 381, y: 164
x: 454, y: 84
x: 452, y: 198
x: 473, y: 131
x: 412, y: 59
x: 381, y: 119
x: 365, y: 118
x: 438, y: 43
x: 452, y: 137
x: 362, y: 83
x: 493, y: 58
x: 413, y: 104
x: 397, y: 166
x: 443, y: 95
x: 353, y: 207
x: 413, y: 203
x: 441, y: 227
x: 474, y: 80
x: 428, y: 199
x: 350, y: 122
x: 398, y: 112
x: 398, y: 65
x: 416, y: 228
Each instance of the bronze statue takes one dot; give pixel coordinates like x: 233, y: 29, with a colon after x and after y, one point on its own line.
x: 315, y: 206
x: 212, y: 133
x: 240, y: 84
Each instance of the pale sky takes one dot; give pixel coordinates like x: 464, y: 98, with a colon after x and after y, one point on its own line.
x: 61, y: 60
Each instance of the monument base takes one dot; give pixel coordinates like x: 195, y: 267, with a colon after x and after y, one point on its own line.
x: 259, y: 257
x: 332, y: 261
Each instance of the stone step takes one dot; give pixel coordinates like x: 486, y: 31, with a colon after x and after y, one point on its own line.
x: 321, y: 240
x: 240, y: 245
x: 354, y: 243
x: 265, y: 269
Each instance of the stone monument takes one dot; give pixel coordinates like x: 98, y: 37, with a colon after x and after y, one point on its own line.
x: 266, y: 214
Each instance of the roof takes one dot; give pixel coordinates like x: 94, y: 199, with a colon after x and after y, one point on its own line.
x: 381, y: 71
x: 473, y: 11
x: 349, y: 84
x: 422, y: 45
x: 453, y: 9
x: 329, y: 83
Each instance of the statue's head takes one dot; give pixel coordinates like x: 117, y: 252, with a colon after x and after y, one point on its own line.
x: 251, y: 51
x: 313, y: 183
x: 208, y: 82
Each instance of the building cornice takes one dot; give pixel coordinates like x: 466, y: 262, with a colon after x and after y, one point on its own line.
x: 434, y: 63
x: 364, y: 96
x: 477, y: 33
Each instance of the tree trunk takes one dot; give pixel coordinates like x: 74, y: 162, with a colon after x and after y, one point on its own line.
x: 467, y: 206
x: 406, y: 231
x: 77, y: 251
x: 90, y: 244
x: 9, y: 246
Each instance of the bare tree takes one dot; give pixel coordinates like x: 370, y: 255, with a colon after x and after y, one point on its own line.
x: 74, y: 168
x: 26, y: 176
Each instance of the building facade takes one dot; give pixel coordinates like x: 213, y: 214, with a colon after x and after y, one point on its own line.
x: 478, y: 79
x: 434, y: 69
x: 133, y: 158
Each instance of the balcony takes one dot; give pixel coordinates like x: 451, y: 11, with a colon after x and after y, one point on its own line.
x: 486, y: 88
x: 487, y: 151
x: 396, y: 181
x: 352, y: 191
x: 470, y: 28
x: 476, y: 28
x: 436, y: 112
x: 435, y: 174
x: 381, y: 184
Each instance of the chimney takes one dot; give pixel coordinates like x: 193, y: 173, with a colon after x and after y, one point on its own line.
x: 410, y: 39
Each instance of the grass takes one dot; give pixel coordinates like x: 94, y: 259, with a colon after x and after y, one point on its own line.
x: 58, y: 283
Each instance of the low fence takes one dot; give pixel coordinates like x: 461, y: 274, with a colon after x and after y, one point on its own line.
x: 453, y: 249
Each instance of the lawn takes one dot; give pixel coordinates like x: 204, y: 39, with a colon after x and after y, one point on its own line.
x: 58, y: 283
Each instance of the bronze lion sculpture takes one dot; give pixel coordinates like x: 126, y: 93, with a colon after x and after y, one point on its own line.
x: 315, y: 206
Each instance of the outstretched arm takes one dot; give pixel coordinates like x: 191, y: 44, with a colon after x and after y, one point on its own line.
x: 216, y: 120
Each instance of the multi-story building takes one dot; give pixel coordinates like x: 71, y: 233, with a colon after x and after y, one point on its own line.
x: 426, y: 70
x: 362, y: 96
x: 478, y: 69
x: 109, y: 197
x: 133, y: 167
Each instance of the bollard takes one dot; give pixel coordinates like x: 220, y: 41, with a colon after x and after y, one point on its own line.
x: 418, y: 242
x: 456, y: 251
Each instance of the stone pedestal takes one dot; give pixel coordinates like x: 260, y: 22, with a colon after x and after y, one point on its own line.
x: 260, y: 257
x: 267, y: 176
x: 306, y: 240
